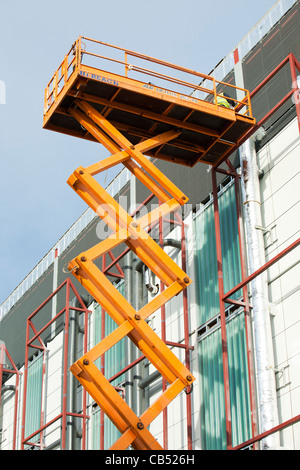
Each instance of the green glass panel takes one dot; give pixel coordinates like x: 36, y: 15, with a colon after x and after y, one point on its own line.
x: 34, y: 397
x: 212, y: 404
x: 207, y: 289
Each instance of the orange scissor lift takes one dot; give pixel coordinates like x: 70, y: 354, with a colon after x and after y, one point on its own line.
x: 134, y: 118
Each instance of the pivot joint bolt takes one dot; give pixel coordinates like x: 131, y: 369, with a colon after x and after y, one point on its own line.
x: 137, y: 316
x: 140, y: 425
x: 189, y: 378
x: 186, y: 280
x: 86, y: 362
x: 83, y: 258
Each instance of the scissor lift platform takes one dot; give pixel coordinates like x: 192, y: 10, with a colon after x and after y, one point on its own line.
x: 134, y: 118
x: 141, y: 109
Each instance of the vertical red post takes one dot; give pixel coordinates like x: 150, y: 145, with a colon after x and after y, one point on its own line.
x: 222, y: 313
x: 186, y: 337
x: 84, y: 399
x: 25, y: 385
x: 42, y: 418
x: 16, y: 410
x: 65, y: 367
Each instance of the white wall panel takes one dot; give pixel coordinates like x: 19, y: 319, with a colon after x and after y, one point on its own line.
x: 280, y: 193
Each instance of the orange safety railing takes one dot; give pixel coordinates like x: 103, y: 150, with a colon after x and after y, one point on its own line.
x: 60, y: 77
x: 87, y: 49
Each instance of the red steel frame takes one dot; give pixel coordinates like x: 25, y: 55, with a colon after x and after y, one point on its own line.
x: 225, y: 297
x: 4, y: 353
x: 30, y: 340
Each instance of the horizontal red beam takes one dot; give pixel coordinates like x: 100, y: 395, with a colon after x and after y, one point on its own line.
x: 179, y: 345
x: 42, y: 428
x: 261, y: 436
x: 134, y: 363
x: 262, y: 269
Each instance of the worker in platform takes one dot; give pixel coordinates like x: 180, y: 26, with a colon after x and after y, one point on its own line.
x: 225, y: 101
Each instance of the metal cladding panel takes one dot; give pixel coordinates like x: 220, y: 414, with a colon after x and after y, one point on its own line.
x: 205, y: 254
x: 229, y: 79
x: 282, y: 39
x: 13, y: 324
x: 212, y: 405
x: 195, y: 182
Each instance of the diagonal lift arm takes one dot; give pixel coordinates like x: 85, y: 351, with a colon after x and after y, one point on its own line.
x: 133, y: 233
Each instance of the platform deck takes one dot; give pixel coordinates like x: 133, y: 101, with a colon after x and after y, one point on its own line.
x: 141, y: 110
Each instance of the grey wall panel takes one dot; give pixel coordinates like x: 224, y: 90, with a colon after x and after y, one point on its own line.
x: 282, y: 39
x: 13, y: 324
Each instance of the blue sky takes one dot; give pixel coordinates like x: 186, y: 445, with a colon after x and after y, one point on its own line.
x: 36, y: 205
